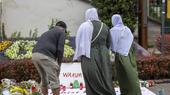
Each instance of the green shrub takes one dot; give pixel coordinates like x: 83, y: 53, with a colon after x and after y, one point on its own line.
x: 16, y: 35
x: 127, y: 8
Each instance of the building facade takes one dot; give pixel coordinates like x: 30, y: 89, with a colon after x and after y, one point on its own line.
x: 25, y: 15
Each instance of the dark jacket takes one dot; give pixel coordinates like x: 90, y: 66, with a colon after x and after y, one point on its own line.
x: 51, y: 43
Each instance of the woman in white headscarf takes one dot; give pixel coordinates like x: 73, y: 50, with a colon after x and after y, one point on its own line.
x: 92, y: 48
x: 125, y: 62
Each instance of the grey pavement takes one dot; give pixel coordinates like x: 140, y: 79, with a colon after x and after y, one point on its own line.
x: 157, y: 87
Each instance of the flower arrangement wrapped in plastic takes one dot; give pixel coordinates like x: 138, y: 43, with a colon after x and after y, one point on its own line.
x: 68, y: 52
x: 10, y: 87
x: 4, y: 45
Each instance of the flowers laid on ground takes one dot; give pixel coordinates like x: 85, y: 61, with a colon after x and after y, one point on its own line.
x: 31, y: 87
x: 68, y: 51
x: 10, y: 87
x: 147, y: 83
x: 4, y: 45
x: 20, y: 49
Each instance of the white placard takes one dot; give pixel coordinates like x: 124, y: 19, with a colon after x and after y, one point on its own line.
x: 69, y: 73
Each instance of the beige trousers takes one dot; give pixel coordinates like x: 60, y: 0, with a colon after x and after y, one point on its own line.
x: 48, y: 69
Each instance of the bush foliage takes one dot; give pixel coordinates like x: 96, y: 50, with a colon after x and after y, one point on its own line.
x: 154, y: 67
x: 127, y: 9
x: 20, y: 70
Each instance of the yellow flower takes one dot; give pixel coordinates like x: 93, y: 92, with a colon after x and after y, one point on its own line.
x: 4, y: 45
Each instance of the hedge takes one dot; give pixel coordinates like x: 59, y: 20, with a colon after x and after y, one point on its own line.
x: 20, y: 70
x: 154, y: 67
x: 126, y: 8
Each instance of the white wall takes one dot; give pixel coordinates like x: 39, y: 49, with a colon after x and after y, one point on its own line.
x: 23, y: 15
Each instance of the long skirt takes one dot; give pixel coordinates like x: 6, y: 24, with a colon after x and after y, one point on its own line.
x: 97, y: 72
x: 126, y: 71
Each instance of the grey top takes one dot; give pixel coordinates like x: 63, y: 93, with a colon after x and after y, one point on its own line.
x: 51, y: 43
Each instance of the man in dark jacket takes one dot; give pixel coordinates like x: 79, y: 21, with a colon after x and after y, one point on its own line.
x: 47, y: 57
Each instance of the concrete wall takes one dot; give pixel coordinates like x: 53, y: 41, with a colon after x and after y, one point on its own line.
x: 23, y: 15
x: 0, y: 17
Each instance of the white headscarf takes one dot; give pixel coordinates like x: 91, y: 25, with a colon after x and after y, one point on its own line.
x: 91, y: 14
x: 84, y: 35
x: 121, y: 35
